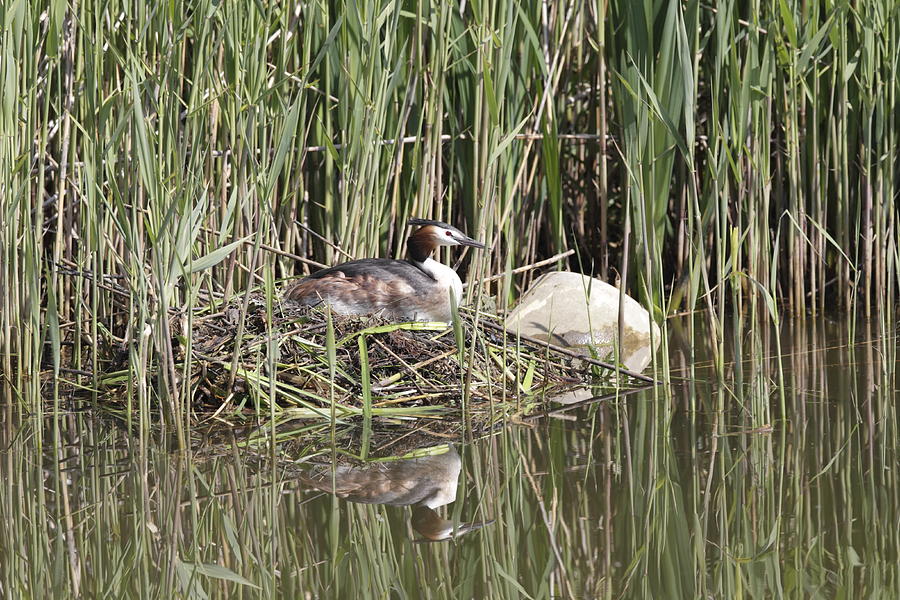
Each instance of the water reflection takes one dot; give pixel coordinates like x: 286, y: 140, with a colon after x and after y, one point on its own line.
x: 428, y: 482
x: 769, y: 471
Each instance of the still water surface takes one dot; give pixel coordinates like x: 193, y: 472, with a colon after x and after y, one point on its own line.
x: 772, y: 476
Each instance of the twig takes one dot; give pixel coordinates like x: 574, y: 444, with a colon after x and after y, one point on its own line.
x: 578, y: 137
x: 585, y: 402
x: 279, y: 252
x: 389, y: 380
x: 322, y: 238
x: 76, y: 372
x: 296, y: 257
x: 411, y: 139
x: 517, y: 270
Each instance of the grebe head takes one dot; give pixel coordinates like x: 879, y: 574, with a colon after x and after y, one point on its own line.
x: 436, y: 233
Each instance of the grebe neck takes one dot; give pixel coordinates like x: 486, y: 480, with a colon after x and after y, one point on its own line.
x: 419, y: 246
x: 444, y: 276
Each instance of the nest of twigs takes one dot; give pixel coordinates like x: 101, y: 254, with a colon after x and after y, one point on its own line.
x: 308, y: 361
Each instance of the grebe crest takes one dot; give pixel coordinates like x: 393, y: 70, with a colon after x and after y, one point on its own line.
x: 417, y: 289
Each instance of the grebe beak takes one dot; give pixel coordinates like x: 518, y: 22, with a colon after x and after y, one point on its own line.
x: 433, y: 528
x: 467, y: 241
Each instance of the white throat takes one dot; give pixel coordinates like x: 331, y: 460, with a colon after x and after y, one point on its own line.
x: 444, y: 276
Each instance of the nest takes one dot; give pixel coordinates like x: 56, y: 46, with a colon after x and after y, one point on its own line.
x: 310, y: 363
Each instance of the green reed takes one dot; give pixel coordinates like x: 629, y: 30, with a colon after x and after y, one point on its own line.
x: 156, y: 158
x: 734, y: 157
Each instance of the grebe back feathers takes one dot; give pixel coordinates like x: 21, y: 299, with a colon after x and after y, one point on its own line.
x: 416, y: 289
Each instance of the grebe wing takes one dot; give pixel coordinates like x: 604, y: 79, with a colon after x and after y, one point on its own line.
x: 362, y: 286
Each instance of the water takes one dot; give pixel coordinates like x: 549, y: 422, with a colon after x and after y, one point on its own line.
x: 701, y: 489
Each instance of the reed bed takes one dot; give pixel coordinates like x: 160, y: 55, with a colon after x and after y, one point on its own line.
x: 736, y: 155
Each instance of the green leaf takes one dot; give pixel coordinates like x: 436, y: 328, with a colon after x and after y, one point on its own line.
x: 219, y: 572
x: 285, y: 143
x: 813, y: 44
x: 528, y: 380
x: 506, y: 141
x: 216, y: 256
x: 414, y: 326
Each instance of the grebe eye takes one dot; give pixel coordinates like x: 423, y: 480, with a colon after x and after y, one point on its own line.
x: 449, y: 234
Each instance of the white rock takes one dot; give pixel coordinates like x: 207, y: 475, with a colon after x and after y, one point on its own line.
x: 574, y: 310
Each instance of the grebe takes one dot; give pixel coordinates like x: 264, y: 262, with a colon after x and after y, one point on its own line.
x: 416, y: 289
x: 426, y: 483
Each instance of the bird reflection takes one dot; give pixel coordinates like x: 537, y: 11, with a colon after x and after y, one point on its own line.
x: 427, y: 482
